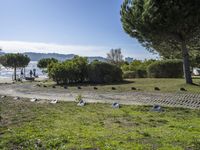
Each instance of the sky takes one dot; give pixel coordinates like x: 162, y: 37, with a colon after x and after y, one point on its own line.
x: 82, y: 27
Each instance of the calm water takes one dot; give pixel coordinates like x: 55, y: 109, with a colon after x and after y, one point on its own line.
x: 8, y: 72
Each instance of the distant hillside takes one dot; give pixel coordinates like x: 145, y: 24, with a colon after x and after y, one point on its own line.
x: 61, y: 57
x: 38, y: 56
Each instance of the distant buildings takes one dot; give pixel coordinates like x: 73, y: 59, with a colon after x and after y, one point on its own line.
x: 129, y: 59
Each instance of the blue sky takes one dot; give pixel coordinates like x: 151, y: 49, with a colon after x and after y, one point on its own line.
x: 84, y: 27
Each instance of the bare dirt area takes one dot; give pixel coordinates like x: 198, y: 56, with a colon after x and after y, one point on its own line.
x: 31, y: 90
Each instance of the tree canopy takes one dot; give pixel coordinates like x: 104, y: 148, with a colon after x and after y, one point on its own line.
x: 164, y: 26
x: 14, y: 61
x: 43, y: 63
x: 115, y: 56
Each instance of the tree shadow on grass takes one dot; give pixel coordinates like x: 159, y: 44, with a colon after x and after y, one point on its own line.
x: 195, y: 84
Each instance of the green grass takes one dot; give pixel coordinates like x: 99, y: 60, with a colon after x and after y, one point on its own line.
x: 26, y: 125
x: 144, y: 84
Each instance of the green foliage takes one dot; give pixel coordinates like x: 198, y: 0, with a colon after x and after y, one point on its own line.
x: 78, y: 70
x: 136, y: 69
x: 195, y: 59
x: 137, y: 65
x: 70, y: 71
x: 43, y: 63
x: 166, y: 69
x: 102, y: 72
x: 129, y: 74
x: 139, y: 73
x: 81, y: 67
x: 155, y: 23
x: 14, y: 61
x: 79, y: 98
x: 168, y: 27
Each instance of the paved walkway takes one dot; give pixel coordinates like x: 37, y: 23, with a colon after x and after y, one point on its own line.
x: 180, y: 99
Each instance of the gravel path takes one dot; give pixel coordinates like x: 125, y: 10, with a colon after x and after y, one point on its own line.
x: 180, y: 99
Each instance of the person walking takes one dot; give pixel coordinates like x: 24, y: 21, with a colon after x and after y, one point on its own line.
x: 34, y: 72
x: 31, y: 73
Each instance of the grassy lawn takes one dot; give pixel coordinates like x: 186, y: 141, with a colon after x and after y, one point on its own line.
x: 26, y: 125
x: 144, y: 84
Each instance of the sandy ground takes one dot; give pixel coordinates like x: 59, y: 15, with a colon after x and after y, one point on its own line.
x: 4, y: 80
x: 30, y: 90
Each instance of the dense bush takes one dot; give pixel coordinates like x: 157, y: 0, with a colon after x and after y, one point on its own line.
x: 78, y: 70
x: 129, y: 74
x: 137, y: 65
x: 70, y: 71
x: 166, y: 69
x: 136, y: 69
x: 139, y: 73
x: 102, y: 72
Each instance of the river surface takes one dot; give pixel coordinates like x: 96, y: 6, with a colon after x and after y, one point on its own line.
x: 8, y: 72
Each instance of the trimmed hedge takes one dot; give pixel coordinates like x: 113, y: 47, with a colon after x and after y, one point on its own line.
x: 102, y: 72
x: 129, y: 74
x: 78, y: 70
x: 70, y: 71
x: 139, y: 73
x: 166, y: 69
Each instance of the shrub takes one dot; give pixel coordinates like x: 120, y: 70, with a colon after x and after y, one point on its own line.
x: 71, y: 71
x: 107, y: 79
x: 129, y: 74
x: 136, y: 69
x: 137, y: 65
x: 139, y: 73
x: 78, y: 70
x: 166, y: 69
x: 102, y: 72
x: 78, y: 98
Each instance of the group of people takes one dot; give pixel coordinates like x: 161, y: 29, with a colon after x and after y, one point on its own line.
x: 32, y: 73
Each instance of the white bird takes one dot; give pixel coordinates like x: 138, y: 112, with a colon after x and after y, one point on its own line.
x: 54, y: 101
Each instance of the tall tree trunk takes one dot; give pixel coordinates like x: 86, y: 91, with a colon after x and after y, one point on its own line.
x: 15, y: 74
x: 186, y: 64
x: 24, y: 72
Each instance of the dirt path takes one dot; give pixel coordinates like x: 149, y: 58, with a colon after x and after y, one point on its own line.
x: 29, y: 90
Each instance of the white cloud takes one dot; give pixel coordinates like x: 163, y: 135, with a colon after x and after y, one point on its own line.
x: 83, y: 50
x: 134, y: 50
